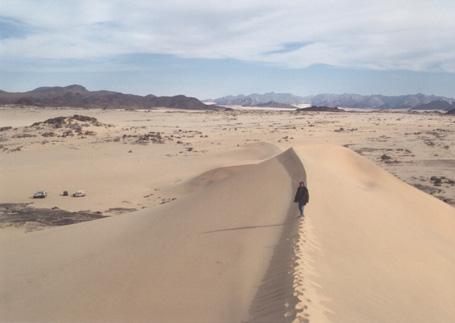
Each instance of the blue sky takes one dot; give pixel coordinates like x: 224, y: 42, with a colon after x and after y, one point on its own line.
x: 213, y: 48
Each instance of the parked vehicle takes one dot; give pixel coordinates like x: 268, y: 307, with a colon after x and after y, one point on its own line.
x: 79, y: 193
x: 65, y: 193
x: 40, y: 194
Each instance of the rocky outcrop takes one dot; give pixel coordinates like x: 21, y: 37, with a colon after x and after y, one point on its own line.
x: 61, y: 122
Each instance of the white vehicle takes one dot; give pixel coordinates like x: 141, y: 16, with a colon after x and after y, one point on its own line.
x: 79, y: 193
x: 40, y: 194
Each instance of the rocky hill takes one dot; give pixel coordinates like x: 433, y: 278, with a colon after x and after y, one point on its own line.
x: 436, y: 105
x: 412, y: 101
x: 79, y: 97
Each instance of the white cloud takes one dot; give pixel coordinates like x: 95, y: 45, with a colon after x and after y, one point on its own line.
x: 398, y: 34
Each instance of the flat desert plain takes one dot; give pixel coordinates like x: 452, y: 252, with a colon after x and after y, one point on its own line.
x: 189, y: 216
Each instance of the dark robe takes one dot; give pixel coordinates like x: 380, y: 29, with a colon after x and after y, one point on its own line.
x: 302, y: 196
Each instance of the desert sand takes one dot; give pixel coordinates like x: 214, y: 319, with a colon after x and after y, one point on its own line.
x: 192, y: 218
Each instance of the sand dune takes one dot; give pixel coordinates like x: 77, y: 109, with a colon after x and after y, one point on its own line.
x: 377, y: 249
x: 200, y: 258
x: 371, y: 248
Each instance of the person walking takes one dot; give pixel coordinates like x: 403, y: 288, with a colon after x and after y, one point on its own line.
x: 302, y: 197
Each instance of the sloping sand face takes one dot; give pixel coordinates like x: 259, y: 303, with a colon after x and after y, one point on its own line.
x: 370, y: 249
x: 199, y: 259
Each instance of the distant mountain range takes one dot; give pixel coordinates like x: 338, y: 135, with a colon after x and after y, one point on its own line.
x: 79, y: 97
x: 411, y: 101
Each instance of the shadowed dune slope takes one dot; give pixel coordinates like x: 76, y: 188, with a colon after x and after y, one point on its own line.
x: 378, y: 249
x: 201, y: 258
x: 207, y: 178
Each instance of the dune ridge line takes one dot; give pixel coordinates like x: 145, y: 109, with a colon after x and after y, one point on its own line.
x: 200, y: 258
x: 371, y: 248
x: 375, y: 248
x: 276, y: 299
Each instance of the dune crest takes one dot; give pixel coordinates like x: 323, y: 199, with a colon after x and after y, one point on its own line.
x: 200, y: 258
x: 371, y: 248
x: 376, y: 249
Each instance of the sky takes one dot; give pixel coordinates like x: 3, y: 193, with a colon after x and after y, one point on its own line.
x: 213, y: 48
